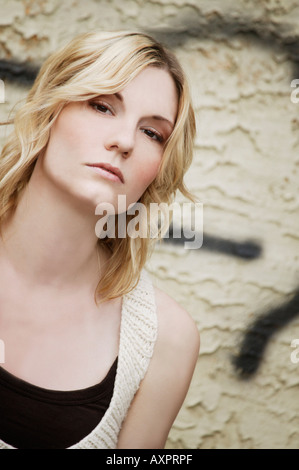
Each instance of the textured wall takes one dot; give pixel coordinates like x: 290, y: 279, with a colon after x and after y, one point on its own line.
x: 242, y: 286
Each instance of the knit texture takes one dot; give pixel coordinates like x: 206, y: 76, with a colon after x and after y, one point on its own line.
x: 138, y: 332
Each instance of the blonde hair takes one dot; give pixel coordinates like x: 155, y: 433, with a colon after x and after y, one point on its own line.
x: 92, y: 64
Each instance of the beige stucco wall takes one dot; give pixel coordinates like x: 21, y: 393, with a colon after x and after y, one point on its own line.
x: 240, y: 60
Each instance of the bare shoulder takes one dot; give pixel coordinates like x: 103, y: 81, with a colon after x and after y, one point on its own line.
x: 178, y: 341
x: 176, y: 328
x: 166, y: 383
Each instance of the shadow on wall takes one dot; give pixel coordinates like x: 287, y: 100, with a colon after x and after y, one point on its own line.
x: 267, y: 35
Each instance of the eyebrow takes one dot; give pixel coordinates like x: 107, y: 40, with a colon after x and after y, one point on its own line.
x: 161, y: 118
x: 119, y: 96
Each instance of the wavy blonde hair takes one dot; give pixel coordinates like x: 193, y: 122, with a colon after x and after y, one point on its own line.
x: 92, y: 64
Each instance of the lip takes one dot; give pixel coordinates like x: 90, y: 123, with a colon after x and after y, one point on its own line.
x: 108, y: 171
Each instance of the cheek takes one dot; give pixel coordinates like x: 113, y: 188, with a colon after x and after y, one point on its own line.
x: 148, y: 170
x: 143, y: 177
x: 67, y: 137
x: 148, y: 174
x: 71, y: 133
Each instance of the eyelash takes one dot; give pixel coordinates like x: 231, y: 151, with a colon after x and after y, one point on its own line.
x: 96, y: 107
x: 155, y: 136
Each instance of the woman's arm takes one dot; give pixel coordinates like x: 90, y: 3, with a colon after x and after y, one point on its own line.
x: 165, y: 385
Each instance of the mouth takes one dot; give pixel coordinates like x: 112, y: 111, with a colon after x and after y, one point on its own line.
x: 108, y: 171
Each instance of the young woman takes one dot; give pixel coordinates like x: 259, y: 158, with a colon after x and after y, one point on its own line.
x: 95, y: 356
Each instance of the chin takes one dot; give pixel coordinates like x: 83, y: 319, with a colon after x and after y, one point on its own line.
x: 91, y: 201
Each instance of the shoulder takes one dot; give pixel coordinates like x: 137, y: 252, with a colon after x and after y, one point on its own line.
x: 178, y: 341
x: 166, y: 383
x: 176, y: 327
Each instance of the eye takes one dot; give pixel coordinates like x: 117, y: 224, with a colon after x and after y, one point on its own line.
x: 102, y: 108
x: 154, y: 135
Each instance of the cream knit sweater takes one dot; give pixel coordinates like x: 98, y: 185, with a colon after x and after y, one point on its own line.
x: 138, y: 332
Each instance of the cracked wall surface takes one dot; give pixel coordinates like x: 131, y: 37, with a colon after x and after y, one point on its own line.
x: 240, y: 58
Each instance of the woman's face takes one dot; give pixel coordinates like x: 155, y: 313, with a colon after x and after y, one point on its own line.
x: 113, y: 144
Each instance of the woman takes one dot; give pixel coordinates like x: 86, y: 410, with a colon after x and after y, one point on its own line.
x: 95, y: 356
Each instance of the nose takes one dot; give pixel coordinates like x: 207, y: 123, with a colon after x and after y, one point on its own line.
x: 121, y: 139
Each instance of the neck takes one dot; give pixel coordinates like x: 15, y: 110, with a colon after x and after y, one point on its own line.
x: 51, y: 239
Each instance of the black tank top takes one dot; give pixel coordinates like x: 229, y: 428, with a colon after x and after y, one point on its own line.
x: 32, y: 417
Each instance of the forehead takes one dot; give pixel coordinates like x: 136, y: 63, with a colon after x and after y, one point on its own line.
x: 153, y: 89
